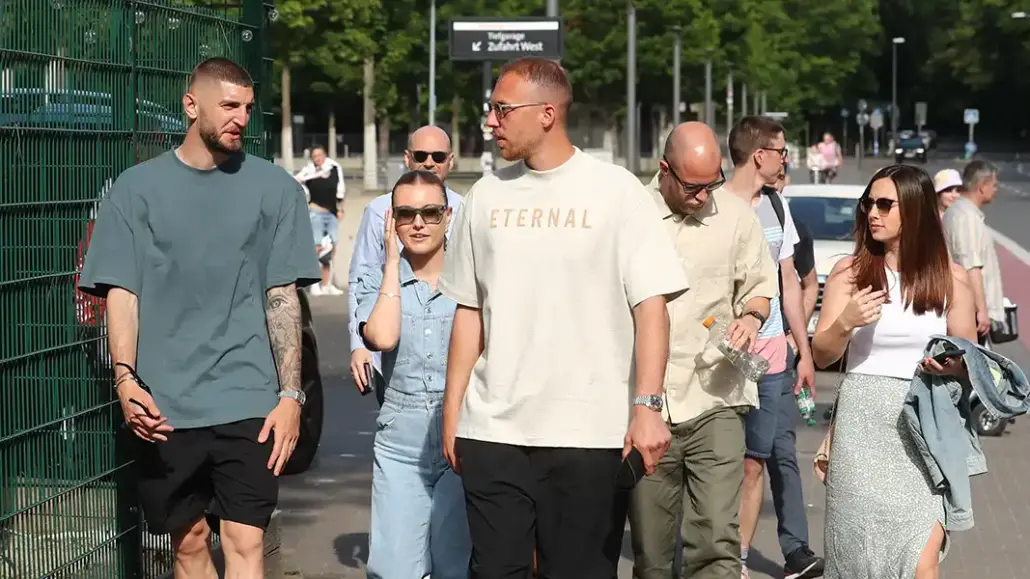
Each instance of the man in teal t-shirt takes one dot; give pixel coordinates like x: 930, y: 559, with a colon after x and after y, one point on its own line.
x: 200, y: 252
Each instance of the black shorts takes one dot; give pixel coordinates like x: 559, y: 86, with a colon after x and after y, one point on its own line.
x: 562, y: 502
x: 219, y: 471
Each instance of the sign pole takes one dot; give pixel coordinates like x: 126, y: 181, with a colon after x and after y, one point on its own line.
x: 861, y: 145
x: 488, y: 79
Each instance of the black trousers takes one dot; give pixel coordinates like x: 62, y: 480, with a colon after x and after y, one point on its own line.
x: 561, y: 501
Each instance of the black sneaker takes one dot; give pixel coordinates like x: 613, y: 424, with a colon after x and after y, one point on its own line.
x: 803, y: 564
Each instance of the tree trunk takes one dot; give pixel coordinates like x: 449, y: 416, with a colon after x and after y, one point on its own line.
x: 384, y: 152
x: 332, y: 134
x: 456, y: 129
x: 370, y: 165
x: 286, y: 137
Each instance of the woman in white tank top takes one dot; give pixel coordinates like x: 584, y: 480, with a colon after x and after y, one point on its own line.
x: 882, y: 304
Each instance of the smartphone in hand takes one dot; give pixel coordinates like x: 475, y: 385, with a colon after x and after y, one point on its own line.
x: 950, y: 352
x: 370, y: 375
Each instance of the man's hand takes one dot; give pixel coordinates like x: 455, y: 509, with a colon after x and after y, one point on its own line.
x: 983, y: 323
x: 141, y: 413
x: 450, y: 435
x: 284, y: 424
x: 743, y: 331
x: 649, y: 434
x: 806, y: 375
x: 358, y: 359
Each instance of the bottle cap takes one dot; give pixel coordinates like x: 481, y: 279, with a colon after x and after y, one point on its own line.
x: 709, y: 322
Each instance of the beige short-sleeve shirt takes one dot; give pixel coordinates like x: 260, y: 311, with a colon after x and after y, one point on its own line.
x: 556, y: 260
x: 724, y: 251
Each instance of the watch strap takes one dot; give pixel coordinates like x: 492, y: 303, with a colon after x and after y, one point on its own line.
x: 761, y: 319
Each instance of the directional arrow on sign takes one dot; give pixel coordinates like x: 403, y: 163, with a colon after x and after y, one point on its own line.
x: 476, y: 46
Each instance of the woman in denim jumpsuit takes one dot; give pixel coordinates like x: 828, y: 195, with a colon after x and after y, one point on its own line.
x: 419, y: 525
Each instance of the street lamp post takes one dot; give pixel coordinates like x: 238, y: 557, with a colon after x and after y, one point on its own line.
x: 709, y: 113
x: 432, y: 62
x: 631, y: 86
x: 552, y: 8
x: 676, y: 75
x: 894, y: 87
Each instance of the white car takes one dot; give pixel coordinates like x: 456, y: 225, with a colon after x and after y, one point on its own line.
x: 828, y: 211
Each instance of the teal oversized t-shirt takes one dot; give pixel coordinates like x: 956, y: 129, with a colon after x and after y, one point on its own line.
x: 200, y: 249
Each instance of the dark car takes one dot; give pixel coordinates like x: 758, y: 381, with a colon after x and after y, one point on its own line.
x: 910, y: 146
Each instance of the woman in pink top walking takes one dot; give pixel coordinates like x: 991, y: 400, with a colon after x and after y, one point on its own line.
x: 832, y: 156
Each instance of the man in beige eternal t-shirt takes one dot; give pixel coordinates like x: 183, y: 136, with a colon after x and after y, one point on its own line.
x: 561, y: 271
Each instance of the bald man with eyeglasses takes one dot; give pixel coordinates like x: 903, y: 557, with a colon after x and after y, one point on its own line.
x: 429, y: 149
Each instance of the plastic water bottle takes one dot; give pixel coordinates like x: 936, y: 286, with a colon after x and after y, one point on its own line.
x: 753, y: 366
x: 806, y: 404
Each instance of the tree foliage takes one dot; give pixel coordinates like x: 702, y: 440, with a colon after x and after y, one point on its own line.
x: 809, y: 58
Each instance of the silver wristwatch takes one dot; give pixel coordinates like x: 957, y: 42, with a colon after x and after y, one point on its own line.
x: 651, y: 401
x: 297, y: 395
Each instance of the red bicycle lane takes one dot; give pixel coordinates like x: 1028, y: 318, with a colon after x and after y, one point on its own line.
x: 1015, y: 280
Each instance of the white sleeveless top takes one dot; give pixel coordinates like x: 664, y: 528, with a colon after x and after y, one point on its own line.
x: 894, y: 345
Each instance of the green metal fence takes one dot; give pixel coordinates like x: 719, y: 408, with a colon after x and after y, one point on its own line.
x: 87, y: 89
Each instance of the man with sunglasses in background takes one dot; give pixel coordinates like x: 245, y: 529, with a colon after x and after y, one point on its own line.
x: 429, y: 149
x: 719, y: 241
x: 758, y: 150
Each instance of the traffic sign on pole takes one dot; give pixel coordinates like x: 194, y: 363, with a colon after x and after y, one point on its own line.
x: 971, y: 116
x: 844, y: 113
x: 876, y: 119
x: 862, y: 106
x: 862, y: 119
x: 506, y: 38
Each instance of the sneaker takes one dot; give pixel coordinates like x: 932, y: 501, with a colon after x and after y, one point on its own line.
x: 316, y: 290
x: 803, y: 564
x: 331, y: 290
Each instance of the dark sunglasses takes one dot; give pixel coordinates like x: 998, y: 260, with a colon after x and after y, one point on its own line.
x: 431, y: 214
x: 883, y: 205
x: 692, y: 189
x: 421, y: 156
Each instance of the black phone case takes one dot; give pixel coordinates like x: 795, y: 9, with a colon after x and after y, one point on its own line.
x: 948, y: 353
x: 631, y: 471
x: 370, y: 376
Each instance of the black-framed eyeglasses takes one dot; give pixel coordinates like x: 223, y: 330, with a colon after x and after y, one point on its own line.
x: 693, y: 189
x: 784, y: 152
x: 431, y: 214
x: 502, y: 109
x: 883, y: 205
x: 438, y: 156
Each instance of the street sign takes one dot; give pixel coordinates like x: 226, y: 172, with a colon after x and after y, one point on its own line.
x: 862, y: 106
x: 777, y: 116
x: 876, y: 119
x: 971, y: 116
x: 920, y: 113
x: 862, y: 119
x: 844, y: 113
x: 506, y: 38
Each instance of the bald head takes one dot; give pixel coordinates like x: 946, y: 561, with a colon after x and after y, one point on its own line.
x: 693, y: 148
x: 691, y: 169
x: 429, y: 138
x: 429, y: 149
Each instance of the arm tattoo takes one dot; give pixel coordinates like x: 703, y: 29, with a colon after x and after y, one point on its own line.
x: 283, y: 316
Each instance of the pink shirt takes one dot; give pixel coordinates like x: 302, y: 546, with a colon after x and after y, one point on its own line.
x: 829, y: 152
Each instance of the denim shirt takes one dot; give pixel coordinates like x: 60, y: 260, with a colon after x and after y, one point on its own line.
x: 370, y: 253
x: 419, y: 362
x: 936, y: 416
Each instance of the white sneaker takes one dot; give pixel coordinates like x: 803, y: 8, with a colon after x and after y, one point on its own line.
x: 331, y: 290
x: 316, y: 290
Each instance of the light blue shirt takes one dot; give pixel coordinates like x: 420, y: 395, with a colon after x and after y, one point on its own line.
x: 419, y: 362
x: 370, y: 253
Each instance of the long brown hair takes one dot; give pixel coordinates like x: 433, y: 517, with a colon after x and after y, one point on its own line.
x: 923, y: 261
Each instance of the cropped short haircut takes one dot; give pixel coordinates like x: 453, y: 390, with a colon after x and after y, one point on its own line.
x: 221, y: 69
x: 546, y: 74
x: 751, y: 134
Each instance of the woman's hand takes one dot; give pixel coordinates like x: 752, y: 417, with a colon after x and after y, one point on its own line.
x: 390, y: 241
x: 863, y: 308
x: 955, y: 367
